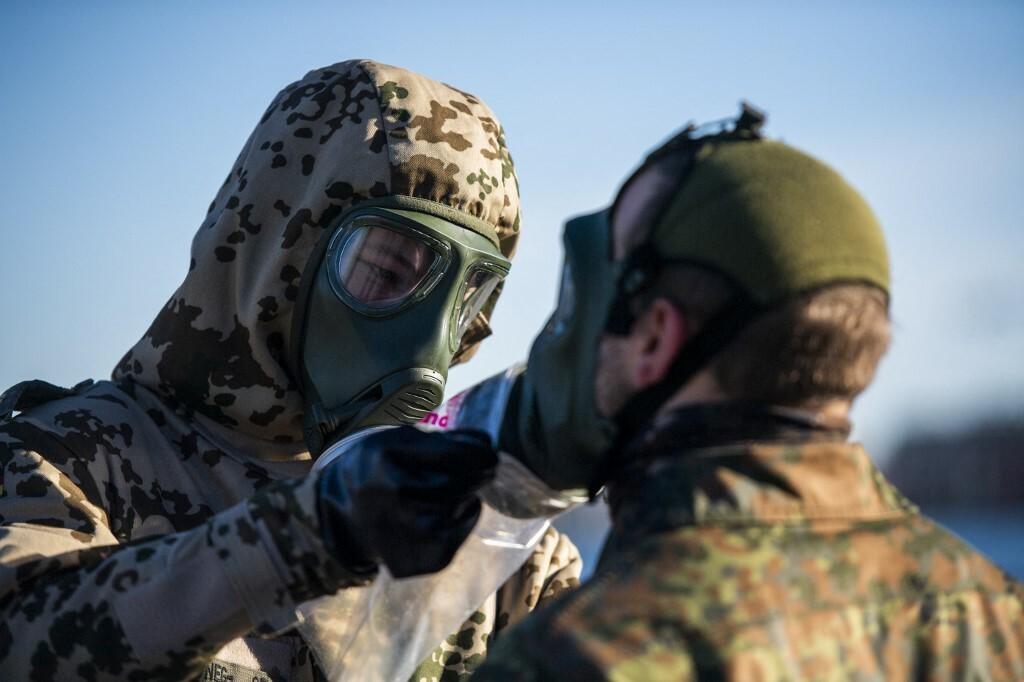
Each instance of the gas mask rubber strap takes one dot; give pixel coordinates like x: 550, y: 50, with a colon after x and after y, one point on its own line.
x: 639, y: 273
x: 643, y: 262
x: 686, y: 144
x: 694, y: 356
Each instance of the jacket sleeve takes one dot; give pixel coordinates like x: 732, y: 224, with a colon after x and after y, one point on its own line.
x: 76, y: 604
x: 553, y: 568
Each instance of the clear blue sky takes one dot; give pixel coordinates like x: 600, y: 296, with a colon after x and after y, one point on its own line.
x: 119, y: 121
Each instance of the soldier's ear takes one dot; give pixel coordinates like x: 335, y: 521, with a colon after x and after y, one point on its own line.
x: 658, y: 335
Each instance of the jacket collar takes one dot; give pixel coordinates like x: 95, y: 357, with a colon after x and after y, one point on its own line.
x: 742, y: 464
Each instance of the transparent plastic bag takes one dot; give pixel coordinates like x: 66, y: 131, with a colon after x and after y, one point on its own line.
x: 384, y: 630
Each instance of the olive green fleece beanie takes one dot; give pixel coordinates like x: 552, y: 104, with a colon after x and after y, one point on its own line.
x: 775, y: 220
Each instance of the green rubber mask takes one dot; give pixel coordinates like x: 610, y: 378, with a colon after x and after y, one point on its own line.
x: 560, y: 433
x: 386, y: 310
x: 770, y: 219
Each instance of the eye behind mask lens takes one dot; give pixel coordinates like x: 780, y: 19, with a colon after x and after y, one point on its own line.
x: 380, y: 269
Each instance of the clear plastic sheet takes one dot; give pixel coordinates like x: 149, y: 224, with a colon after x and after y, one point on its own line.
x: 383, y: 631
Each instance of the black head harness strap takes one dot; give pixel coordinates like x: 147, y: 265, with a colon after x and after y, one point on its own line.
x: 717, y: 333
x: 640, y: 272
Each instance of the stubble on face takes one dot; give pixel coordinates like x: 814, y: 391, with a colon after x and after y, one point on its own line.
x: 612, y: 388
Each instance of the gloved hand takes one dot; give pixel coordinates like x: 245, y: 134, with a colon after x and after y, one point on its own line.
x: 404, y: 498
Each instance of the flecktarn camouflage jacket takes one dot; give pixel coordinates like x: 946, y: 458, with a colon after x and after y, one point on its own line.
x: 161, y: 525
x: 773, y: 562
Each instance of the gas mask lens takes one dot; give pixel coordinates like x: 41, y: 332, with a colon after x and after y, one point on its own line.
x: 381, y: 265
x: 559, y: 320
x: 381, y: 268
x: 476, y: 290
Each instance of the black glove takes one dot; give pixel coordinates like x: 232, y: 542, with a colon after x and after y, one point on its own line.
x: 404, y: 498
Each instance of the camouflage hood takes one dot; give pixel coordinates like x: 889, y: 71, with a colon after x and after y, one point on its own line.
x: 344, y: 134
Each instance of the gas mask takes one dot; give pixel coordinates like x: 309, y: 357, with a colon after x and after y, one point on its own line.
x: 557, y: 430
x: 773, y: 222
x: 389, y: 301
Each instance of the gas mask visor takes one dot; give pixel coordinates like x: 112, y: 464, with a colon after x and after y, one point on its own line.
x: 559, y: 433
x: 380, y: 266
x: 389, y: 303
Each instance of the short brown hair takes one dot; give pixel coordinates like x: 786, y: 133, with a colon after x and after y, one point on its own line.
x: 820, y: 346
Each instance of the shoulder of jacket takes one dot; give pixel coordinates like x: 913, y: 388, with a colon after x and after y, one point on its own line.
x: 27, y: 395
x: 37, y: 415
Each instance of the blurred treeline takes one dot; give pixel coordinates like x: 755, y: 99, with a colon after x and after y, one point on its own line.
x: 981, y: 465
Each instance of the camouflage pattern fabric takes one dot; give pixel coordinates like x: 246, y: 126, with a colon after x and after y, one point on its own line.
x: 774, y: 562
x: 162, y: 526
x: 343, y: 134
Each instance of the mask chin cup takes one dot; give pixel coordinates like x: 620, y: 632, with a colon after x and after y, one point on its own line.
x: 403, y: 397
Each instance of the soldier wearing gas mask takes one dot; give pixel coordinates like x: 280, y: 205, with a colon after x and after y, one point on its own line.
x: 165, y: 524
x: 714, y: 326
